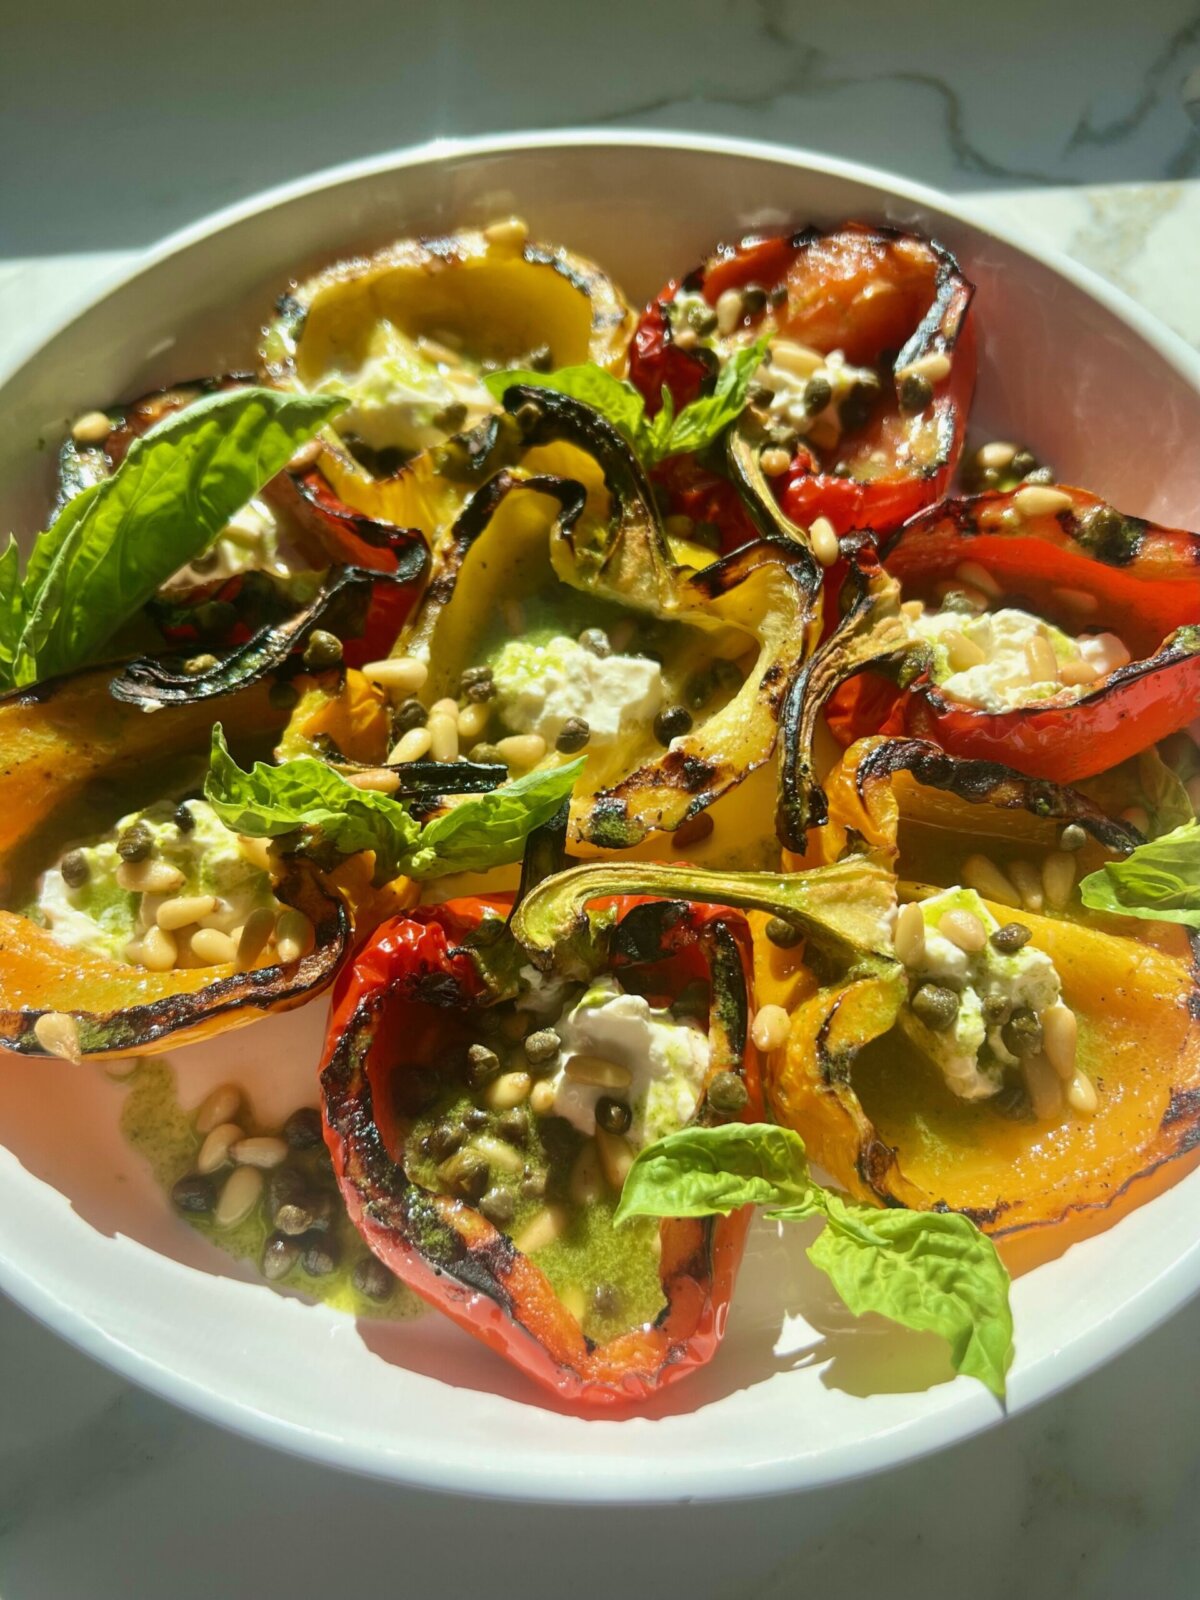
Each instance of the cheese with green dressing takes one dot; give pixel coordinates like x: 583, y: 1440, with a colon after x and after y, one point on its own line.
x: 404, y: 391
x: 1004, y: 678
x: 539, y: 687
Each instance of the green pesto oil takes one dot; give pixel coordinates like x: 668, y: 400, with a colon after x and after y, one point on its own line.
x: 163, y: 1135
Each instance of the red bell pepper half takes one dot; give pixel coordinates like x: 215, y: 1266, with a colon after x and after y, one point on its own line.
x: 1082, y: 566
x: 889, y: 301
x: 408, y: 1002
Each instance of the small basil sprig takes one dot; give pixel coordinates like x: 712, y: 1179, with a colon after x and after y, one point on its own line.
x: 112, y: 546
x: 929, y: 1270
x: 653, y: 438
x: 480, y: 831
x: 1159, y: 881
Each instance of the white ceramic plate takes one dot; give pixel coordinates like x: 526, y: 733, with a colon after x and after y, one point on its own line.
x: 799, y: 1395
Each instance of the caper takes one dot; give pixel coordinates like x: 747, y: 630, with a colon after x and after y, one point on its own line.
x: 136, y: 843
x: 541, y: 1047
x: 672, y: 722
x: 1073, y: 837
x: 482, y: 1064
x: 183, y: 818
x: 196, y: 1193
x: 486, y: 755
x: 371, y: 1278
x: 958, y: 601
x: 936, y: 1006
x: 465, y: 1173
x: 451, y: 417
x: 498, y: 1206
x: 854, y: 411
x: 443, y: 1140
x: 996, y: 1011
x: 727, y: 1093
x: 528, y: 415
x: 302, y: 1130
x: 778, y: 295
x: 783, y: 933
x: 533, y: 1184
x: 480, y: 691
x: 279, y: 1256
x: 409, y: 714
x: 322, y: 650
x: 310, y: 1213
x: 513, y: 1125
x: 759, y: 394
x: 282, y: 696
x: 75, y: 870
x: 597, y: 641
x: 1022, y: 1032
x: 614, y: 1116
x: 1013, y: 936
x: 914, y: 393
x: 818, y: 392
x: 781, y: 437
x: 1040, y: 475
x: 1023, y: 463
x: 320, y: 1258
x: 572, y: 737
x: 754, y: 299
x: 215, y: 618
x: 540, y: 359
x: 1105, y: 531
x: 475, y: 1119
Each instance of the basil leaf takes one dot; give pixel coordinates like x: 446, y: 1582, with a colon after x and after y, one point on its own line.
x: 114, y: 545
x: 490, y: 830
x: 481, y: 831
x: 705, y: 419
x: 929, y: 1270
x: 697, y: 1172
x: 616, y: 400
x: 1159, y: 881
x: 12, y: 611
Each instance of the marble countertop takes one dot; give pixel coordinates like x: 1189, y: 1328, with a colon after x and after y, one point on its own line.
x: 1079, y: 124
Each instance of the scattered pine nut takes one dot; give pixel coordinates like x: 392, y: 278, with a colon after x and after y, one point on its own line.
x: 616, y: 1156
x: 598, y: 1073
x: 933, y: 368
x: 824, y: 541
x: 184, y: 909
x: 797, y: 359
x: 219, y: 1105
x: 1077, y: 674
x: 1029, y: 884
x: 472, y: 722
x: 212, y: 948
x: 964, y: 929
x: 1058, y: 878
x: 93, y: 427
x: 996, y: 454
x: 978, y: 577
x: 961, y: 652
x: 508, y: 1090
x: 58, y: 1033
x: 411, y: 746
x: 522, y: 750
x: 443, y: 736
x: 1060, y: 1037
x: 252, y: 940
x: 770, y: 1028
x: 1079, y: 601
x: 149, y: 877
x: 1041, y: 660
x: 160, y: 952
x: 214, y: 1152
x: 256, y: 851
x: 541, y: 1098
x: 445, y: 707
x: 910, y: 934
x: 1082, y: 1096
x: 263, y: 1150
x: 295, y: 936
x: 378, y: 780
x: 730, y: 308
x: 239, y: 1197
x: 401, y: 675
x: 986, y: 878
x: 542, y: 1230
x: 1039, y: 500
x: 774, y: 461
x: 499, y: 1154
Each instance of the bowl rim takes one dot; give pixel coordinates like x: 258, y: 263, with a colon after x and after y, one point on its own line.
x: 453, y: 1473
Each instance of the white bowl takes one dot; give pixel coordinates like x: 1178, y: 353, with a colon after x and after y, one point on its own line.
x: 799, y: 1394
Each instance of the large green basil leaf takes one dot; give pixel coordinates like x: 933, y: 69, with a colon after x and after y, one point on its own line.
x: 1159, y: 881
x: 697, y: 1172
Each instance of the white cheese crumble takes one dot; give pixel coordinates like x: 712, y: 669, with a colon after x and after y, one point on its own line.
x: 1004, y: 678
x: 539, y: 687
x: 983, y: 979
x: 402, y: 386
x: 669, y: 1061
x: 101, y: 916
x: 250, y: 541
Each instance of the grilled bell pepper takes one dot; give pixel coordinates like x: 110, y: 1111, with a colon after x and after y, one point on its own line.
x: 871, y: 369
x: 544, y: 555
x: 872, y: 1108
x: 407, y: 334
x: 1080, y: 565
x: 422, y: 989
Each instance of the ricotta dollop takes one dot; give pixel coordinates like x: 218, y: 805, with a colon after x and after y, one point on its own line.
x: 1004, y: 679
x: 539, y: 687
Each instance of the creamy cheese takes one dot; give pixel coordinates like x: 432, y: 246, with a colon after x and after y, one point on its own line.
x: 250, y: 541
x: 401, y: 389
x: 667, y: 1058
x: 1005, y: 678
x: 101, y: 916
x: 983, y: 980
x: 540, y: 686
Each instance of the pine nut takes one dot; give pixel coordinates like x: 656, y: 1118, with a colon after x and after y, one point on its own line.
x: 508, y: 1090
x: 912, y: 609
x: 824, y: 541
x: 544, y: 1229
x: 183, y: 910
x: 1077, y: 674
x: 541, y: 1098
x: 1038, y: 500
x: 770, y: 1028
x: 996, y: 454
x: 933, y: 368
x: 964, y: 929
x: 239, y: 1197
x: 910, y: 934
x: 252, y: 940
x: 1060, y: 1037
x: 587, y: 1182
x: 256, y: 851
x: 962, y: 653
x: 443, y: 736
x: 1045, y: 1090
x: 978, y: 577
x: 986, y: 878
x: 973, y: 596
x: 1137, y: 817
x: 445, y: 707
x: 472, y: 722
x: 598, y: 1073
x: 212, y: 948
x: 1079, y: 601
x: 774, y: 461
x: 219, y: 1105
x: 1029, y: 884
x: 522, y: 750
x: 378, y: 780
x: 93, y: 427
x: 295, y: 936
x: 616, y: 1156
x: 497, y: 1153
x: 402, y: 675
x: 1043, y: 663
x: 1082, y: 1096
x: 510, y: 233
x: 265, y: 1150
x: 730, y: 307
x: 159, y: 950
x: 411, y: 746
x: 149, y: 877
x: 58, y: 1033
x: 796, y: 359
x: 1058, y: 878
x: 214, y: 1152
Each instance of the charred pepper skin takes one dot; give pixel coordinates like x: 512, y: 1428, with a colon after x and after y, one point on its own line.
x: 404, y: 987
